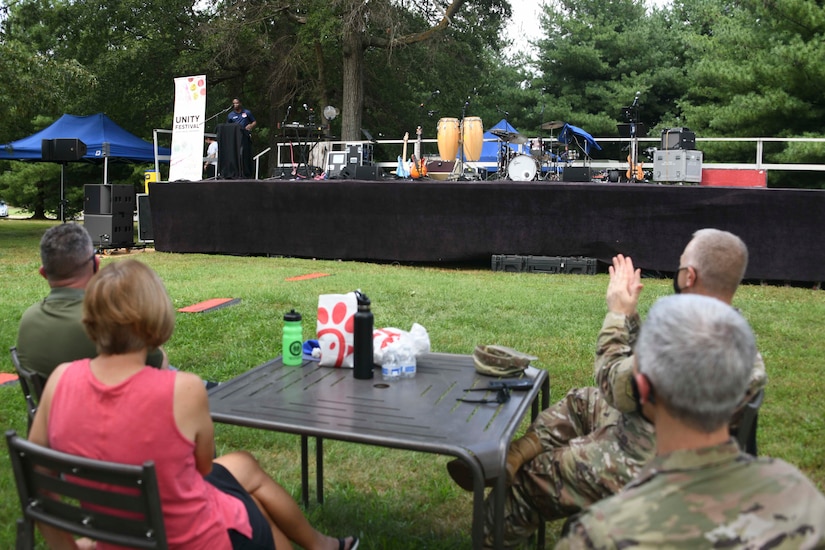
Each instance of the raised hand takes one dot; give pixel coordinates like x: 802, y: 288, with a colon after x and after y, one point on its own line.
x: 625, y: 286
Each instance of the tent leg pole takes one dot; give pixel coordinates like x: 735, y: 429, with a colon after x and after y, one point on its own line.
x: 62, y: 215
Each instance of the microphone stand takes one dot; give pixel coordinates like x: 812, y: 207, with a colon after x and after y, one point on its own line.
x: 503, y: 150
x: 458, y: 168
x: 634, y: 142
x: 216, y: 115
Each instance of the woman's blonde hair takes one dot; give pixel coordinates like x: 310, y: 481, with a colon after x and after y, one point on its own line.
x: 126, y: 308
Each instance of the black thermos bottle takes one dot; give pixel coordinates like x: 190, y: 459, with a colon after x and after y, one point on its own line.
x: 362, y: 354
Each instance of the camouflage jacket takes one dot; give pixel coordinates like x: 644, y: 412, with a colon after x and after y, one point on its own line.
x: 614, y: 364
x: 716, y: 497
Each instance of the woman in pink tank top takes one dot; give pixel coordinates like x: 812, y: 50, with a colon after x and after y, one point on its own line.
x: 100, y: 408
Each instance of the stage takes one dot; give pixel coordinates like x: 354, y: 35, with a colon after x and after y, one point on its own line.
x: 467, y: 222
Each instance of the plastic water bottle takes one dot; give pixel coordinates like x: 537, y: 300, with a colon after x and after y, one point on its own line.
x: 363, y: 363
x: 391, y: 369
x: 293, y: 340
x: 406, y: 360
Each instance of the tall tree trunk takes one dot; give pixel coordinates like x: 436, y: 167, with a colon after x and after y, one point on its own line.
x: 353, y: 92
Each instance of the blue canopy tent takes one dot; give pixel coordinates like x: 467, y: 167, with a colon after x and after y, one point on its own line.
x: 94, y: 131
x: 572, y: 135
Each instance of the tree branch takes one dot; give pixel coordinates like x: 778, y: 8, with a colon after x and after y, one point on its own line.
x: 381, y: 42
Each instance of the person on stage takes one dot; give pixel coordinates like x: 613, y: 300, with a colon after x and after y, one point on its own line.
x: 244, y: 118
x: 211, y: 165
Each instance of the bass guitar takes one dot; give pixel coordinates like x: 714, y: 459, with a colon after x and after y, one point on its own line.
x: 401, y: 170
x: 635, y: 171
x: 419, y: 164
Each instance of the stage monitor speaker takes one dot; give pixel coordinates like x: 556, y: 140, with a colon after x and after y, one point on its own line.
x: 97, y: 199
x: 347, y: 173
x: 372, y: 172
x: 678, y: 138
x: 576, y: 173
x: 145, y: 233
x: 62, y: 149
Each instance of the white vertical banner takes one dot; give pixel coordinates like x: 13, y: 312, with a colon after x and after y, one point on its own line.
x: 186, y: 161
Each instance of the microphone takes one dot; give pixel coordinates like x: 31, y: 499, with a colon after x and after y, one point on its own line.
x: 636, y: 99
x: 305, y: 107
x: 435, y: 93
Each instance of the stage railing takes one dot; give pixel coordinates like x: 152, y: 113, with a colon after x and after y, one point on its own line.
x: 759, y: 162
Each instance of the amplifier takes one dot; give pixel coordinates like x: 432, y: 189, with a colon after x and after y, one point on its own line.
x: 678, y: 138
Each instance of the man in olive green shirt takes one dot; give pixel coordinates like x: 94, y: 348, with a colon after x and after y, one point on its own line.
x: 51, y: 331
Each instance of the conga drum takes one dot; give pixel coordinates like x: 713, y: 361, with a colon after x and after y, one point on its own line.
x: 473, y: 138
x: 448, y: 138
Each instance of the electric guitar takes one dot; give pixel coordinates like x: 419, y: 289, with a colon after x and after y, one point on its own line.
x: 401, y: 170
x: 419, y: 165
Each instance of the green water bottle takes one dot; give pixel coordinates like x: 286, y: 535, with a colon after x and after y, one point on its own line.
x: 293, y: 344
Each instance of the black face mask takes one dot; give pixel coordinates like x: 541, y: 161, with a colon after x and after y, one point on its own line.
x: 637, y: 396
x: 676, y: 288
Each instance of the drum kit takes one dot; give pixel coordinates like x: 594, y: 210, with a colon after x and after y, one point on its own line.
x: 544, y: 159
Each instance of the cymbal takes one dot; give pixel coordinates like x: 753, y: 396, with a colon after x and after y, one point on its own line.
x: 552, y: 125
x: 510, y: 137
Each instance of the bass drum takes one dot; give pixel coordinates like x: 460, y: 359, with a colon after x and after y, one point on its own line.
x: 522, y: 168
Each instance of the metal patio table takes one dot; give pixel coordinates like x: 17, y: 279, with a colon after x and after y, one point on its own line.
x: 416, y: 414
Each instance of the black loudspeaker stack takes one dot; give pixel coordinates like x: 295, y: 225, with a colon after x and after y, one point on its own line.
x: 108, y: 215
x: 62, y: 150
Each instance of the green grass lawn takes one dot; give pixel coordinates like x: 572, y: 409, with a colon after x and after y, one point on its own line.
x: 395, y: 499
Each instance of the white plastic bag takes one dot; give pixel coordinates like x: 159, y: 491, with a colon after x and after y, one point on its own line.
x: 393, y: 344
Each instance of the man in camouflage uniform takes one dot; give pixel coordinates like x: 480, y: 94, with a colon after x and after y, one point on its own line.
x: 694, y: 359
x: 592, y: 442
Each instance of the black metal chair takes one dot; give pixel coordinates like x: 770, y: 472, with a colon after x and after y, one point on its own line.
x: 31, y: 383
x: 120, y: 502
x: 745, y: 432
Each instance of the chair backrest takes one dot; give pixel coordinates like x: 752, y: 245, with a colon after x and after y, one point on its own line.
x: 105, y: 501
x: 31, y: 383
x: 745, y: 432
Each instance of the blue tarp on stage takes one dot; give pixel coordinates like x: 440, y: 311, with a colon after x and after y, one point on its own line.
x: 573, y: 135
x: 94, y: 131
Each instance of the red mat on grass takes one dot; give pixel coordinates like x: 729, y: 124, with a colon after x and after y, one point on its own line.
x: 6, y: 378
x: 307, y: 276
x: 209, y: 305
